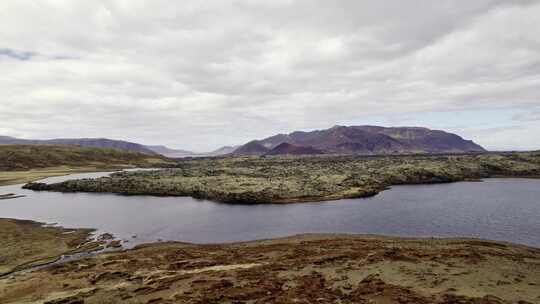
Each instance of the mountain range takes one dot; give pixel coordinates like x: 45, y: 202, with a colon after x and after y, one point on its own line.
x: 366, y: 140
x: 116, y: 144
x: 83, y: 142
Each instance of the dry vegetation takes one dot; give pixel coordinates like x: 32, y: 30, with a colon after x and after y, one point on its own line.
x: 301, y: 269
x: 302, y: 179
x: 26, y: 243
x: 25, y: 163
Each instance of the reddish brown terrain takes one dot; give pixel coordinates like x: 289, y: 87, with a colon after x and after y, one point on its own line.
x: 290, y: 149
x: 300, y: 269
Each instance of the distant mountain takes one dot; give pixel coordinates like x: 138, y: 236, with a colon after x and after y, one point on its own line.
x: 117, y: 144
x: 222, y: 151
x: 174, y: 153
x: 254, y: 147
x: 430, y: 141
x: 7, y: 140
x: 362, y: 140
x: 177, y: 153
x: 83, y: 142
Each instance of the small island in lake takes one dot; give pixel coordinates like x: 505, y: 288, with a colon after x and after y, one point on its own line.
x: 288, y: 179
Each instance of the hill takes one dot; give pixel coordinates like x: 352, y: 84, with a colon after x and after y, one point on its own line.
x: 25, y: 157
x: 367, y: 140
x: 83, y: 142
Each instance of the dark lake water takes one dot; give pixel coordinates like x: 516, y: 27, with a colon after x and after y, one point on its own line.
x: 497, y: 209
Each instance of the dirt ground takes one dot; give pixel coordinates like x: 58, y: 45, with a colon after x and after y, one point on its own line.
x: 299, y: 269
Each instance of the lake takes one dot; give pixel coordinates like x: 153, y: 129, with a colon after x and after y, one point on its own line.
x: 498, y: 209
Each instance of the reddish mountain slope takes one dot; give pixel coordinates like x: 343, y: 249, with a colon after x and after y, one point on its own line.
x: 286, y: 148
x: 365, y: 140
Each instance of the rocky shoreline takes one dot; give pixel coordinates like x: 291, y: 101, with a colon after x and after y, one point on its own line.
x: 28, y: 244
x: 283, y: 179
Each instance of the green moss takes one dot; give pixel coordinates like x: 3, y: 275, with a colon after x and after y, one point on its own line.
x: 297, y: 179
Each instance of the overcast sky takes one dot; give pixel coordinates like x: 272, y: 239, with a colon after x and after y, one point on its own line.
x: 202, y: 74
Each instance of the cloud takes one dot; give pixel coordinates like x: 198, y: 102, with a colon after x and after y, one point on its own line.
x: 199, y: 75
x: 17, y: 55
x: 530, y: 116
x: 518, y: 137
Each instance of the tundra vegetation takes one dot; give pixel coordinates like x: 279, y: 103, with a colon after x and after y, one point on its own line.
x: 298, y: 269
x: 286, y: 179
x: 26, y: 244
x: 24, y: 163
x: 301, y: 269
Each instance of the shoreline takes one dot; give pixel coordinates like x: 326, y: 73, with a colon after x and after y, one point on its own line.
x: 29, y: 244
x: 351, y: 268
x: 21, y: 177
x: 302, y: 200
x: 88, y: 243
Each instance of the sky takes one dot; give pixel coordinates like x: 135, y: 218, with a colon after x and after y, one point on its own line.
x: 202, y: 74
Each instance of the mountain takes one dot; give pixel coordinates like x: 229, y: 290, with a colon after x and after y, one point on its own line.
x: 7, y: 140
x: 252, y: 148
x: 222, y: 151
x: 173, y: 153
x: 117, y: 144
x: 426, y: 140
x: 290, y: 149
x: 367, y: 140
x: 83, y: 142
x: 177, y: 153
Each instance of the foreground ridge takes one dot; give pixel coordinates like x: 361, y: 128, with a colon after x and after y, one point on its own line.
x: 299, y: 269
